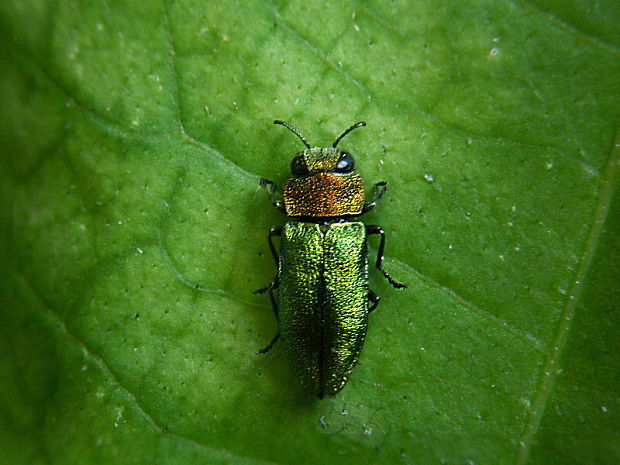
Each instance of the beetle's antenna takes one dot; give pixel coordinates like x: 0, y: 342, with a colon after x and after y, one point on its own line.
x: 293, y: 130
x: 355, y: 126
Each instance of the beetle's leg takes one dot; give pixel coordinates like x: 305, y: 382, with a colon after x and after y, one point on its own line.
x: 373, y: 299
x: 268, y: 347
x: 375, y: 229
x: 272, y: 194
x: 378, y: 192
x: 274, y: 305
x: 274, y: 231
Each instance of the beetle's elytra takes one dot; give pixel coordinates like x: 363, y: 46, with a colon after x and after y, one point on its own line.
x: 323, y: 298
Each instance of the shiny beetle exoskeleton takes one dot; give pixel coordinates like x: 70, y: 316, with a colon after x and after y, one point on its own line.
x: 322, y: 296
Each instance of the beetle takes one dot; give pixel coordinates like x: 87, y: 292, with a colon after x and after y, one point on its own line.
x: 323, y: 297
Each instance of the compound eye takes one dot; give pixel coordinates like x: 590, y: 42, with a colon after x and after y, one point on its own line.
x: 345, y: 163
x: 298, y: 166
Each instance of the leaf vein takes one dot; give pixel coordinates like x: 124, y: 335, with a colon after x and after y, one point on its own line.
x: 96, y: 117
x: 593, y: 386
x: 370, y: 96
x: 106, y: 369
x: 550, y: 372
x: 176, y: 95
x: 568, y: 27
x: 88, y: 351
x: 195, y: 286
x: 528, y: 338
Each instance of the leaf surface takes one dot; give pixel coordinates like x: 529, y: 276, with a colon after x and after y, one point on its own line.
x: 133, y: 137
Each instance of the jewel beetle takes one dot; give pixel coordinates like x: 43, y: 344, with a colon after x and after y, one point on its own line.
x: 320, y: 295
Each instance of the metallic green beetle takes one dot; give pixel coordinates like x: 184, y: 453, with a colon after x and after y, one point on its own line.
x: 323, y: 297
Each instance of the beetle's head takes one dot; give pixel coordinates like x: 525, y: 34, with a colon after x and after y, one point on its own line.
x: 323, y: 181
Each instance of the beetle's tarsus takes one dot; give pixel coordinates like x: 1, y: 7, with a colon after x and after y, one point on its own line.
x: 272, y: 193
x: 268, y: 287
x: 378, y: 192
x: 376, y: 229
x: 392, y: 281
x: 374, y: 299
x: 268, y: 347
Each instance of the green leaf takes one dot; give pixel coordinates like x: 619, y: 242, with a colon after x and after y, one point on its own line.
x: 133, y: 136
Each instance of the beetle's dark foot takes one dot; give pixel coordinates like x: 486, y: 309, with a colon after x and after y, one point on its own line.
x: 266, y: 349
x: 379, y: 190
x: 373, y: 300
x: 392, y: 281
x: 262, y: 290
x: 263, y: 182
x: 367, y: 207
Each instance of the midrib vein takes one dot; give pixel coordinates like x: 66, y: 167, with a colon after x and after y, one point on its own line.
x: 551, y: 367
